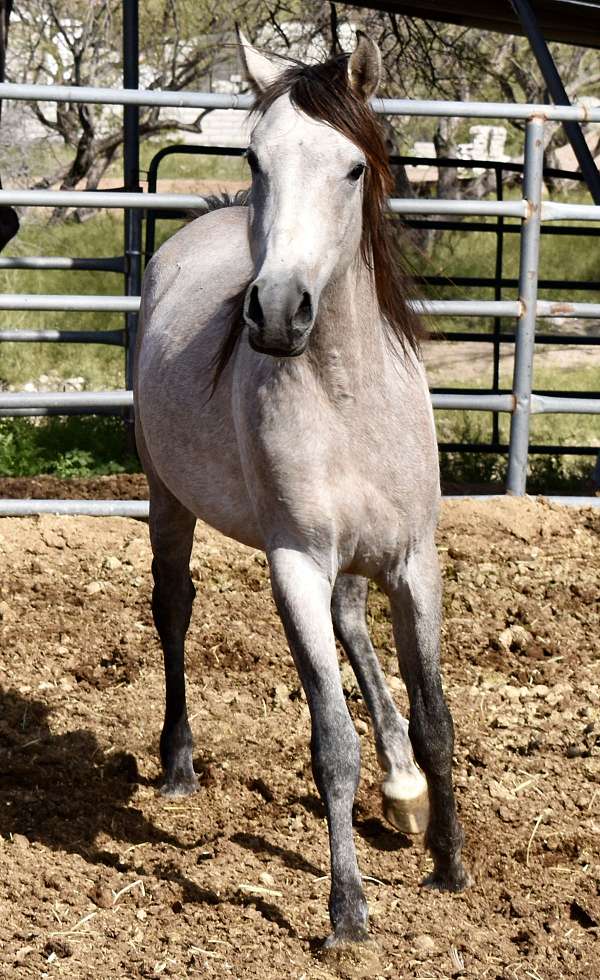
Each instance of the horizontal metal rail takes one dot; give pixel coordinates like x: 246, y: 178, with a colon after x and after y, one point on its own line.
x: 119, y: 398
x: 557, y: 211
x: 419, y: 205
x: 139, y: 509
x: 545, y: 309
x: 490, y: 403
x: 212, y: 100
x: 117, y: 96
x: 101, y: 199
x: 456, y: 401
x: 114, y: 338
x: 551, y: 308
x: 484, y: 110
x: 552, y: 404
x: 167, y: 202
x: 550, y: 211
x: 466, y: 307
x: 115, y: 264
x: 440, y: 307
x: 57, y: 301
x: 83, y: 508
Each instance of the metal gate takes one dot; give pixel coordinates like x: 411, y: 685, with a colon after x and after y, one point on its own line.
x: 526, y: 308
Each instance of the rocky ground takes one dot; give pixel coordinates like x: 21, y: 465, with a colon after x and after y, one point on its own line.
x: 100, y: 877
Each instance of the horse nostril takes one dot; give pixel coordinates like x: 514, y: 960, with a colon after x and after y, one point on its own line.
x: 304, y: 314
x: 255, y: 312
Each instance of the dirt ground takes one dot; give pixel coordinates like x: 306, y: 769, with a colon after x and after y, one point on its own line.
x: 101, y: 878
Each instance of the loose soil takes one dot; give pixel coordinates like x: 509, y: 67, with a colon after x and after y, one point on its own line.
x: 102, y: 878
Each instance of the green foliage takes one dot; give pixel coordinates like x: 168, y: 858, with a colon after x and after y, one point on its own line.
x: 64, y: 447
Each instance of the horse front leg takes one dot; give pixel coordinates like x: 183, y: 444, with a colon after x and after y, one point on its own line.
x: 171, y: 535
x: 303, y: 596
x: 404, y: 788
x: 415, y: 595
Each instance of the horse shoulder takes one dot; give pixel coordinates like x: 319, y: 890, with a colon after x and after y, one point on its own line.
x: 196, y: 271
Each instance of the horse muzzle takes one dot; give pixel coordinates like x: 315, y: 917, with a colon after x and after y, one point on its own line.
x: 279, y: 318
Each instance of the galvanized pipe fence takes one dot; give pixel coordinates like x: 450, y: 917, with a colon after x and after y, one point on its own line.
x: 521, y: 403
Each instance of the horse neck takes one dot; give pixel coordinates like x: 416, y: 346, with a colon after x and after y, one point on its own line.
x: 347, y: 344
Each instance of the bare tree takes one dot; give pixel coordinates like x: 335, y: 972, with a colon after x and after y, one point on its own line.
x: 78, y: 42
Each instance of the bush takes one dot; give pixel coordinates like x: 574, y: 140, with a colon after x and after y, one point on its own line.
x: 65, y: 447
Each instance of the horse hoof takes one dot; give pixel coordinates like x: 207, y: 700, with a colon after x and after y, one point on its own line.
x: 177, y: 787
x: 457, y: 880
x: 347, y: 936
x: 354, y: 955
x: 406, y: 802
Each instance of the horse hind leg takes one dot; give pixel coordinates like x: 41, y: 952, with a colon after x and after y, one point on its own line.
x: 171, y: 535
x: 404, y: 788
x: 415, y: 596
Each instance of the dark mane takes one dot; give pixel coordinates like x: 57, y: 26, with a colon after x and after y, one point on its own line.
x: 323, y: 92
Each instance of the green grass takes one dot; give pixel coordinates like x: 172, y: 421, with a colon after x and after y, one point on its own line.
x: 101, y: 366
x: 557, y: 429
x: 189, y: 166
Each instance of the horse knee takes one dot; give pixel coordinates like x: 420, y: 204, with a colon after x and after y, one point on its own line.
x: 172, y: 598
x: 335, y: 752
x: 348, y: 603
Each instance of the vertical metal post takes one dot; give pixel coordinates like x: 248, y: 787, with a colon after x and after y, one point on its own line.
x: 498, y: 296
x: 131, y: 178
x: 528, y: 287
x: 526, y: 15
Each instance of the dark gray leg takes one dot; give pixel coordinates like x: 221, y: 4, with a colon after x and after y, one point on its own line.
x: 303, y: 597
x: 415, y: 596
x: 171, y: 534
x: 404, y: 789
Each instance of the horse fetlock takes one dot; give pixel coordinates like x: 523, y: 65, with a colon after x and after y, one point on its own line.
x: 176, y: 755
x: 445, y: 847
x: 349, y: 915
x: 179, y: 783
x: 180, y: 778
x: 405, y: 801
x: 452, y: 877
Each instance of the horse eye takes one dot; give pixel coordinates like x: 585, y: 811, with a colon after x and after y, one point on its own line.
x: 252, y: 159
x: 356, y: 172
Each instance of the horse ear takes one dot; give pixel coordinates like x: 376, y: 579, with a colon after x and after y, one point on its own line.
x: 260, y: 71
x: 364, y: 67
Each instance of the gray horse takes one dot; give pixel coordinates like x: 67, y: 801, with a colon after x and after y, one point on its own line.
x: 281, y: 399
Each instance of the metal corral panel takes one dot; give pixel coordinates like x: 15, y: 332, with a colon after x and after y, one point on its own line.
x: 571, y: 21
